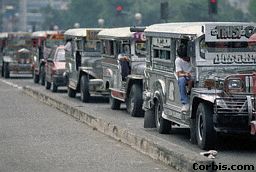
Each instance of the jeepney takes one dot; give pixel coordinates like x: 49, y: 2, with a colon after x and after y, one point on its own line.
x: 83, y: 63
x: 124, y: 76
x: 223, y: 97
x: 16, y: 53
x: 44, y: 41
x: 3, y: 38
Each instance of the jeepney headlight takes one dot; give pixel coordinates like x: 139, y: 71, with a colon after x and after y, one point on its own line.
x: 146, y: 95
x: 221, y: 103
x: 235, y: 84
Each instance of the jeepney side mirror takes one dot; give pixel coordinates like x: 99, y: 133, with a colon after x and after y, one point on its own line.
x: 191, y: 49
x: 50, y: 60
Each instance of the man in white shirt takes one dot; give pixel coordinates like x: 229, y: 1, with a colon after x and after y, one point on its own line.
x: 184, y: 74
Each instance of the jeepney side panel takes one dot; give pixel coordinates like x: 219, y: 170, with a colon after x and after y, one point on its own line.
x: 111, y: 69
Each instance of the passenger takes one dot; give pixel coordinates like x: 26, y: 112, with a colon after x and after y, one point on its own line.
x: 124, y: 63
x: 184, y: 76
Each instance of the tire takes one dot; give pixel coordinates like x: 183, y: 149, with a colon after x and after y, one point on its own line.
x: 6, y: 70
x: 84, y: 89
x: 47, y: 85
x: 149, y: 119
x: 114, y: 103
x: 205, y: 134
x: 163, y: 126
x: 71, y: 92
x: 135, y: 101
x: 2, y: 71
x: 54, y: 88
x: 36, y: 78
x: 192, y: 127
x: 42, y: 75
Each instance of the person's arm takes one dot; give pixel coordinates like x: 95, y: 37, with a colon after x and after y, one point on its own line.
x: 183, y: 74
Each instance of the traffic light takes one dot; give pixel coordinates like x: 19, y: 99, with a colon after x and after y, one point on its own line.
x: 119, y: 9
x: 213, y: 6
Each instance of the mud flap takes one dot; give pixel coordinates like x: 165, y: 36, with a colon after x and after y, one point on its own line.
x: 253, y: 127
x: 149, y: 119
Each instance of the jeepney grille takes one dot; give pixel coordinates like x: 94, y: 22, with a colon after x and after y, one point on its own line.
x: 232, y: 106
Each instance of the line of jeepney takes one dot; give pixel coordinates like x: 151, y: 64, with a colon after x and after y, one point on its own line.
x: 136, y: 66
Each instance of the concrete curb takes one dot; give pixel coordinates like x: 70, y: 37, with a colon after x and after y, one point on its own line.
x: 176, y: 158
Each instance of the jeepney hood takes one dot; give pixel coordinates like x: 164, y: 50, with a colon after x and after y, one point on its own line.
x: 138, y: 68
x: 92, y: 64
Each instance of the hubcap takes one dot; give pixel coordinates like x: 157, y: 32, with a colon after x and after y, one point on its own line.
x: 158, y: 114
x: 200, y: 126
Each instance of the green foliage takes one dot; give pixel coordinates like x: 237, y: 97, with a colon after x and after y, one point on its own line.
x: 87, y: 12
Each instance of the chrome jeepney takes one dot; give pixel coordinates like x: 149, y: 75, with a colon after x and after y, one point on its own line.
x: 223, y: 96
x: 83, y: 63
x: 43, y: 42
x: 16, y: 53
x: 124, y: 53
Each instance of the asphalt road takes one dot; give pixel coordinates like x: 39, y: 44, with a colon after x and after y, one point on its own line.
x: 231, y: 150
x: 36, y: 137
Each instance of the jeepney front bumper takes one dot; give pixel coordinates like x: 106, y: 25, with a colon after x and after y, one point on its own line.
x: 147, y: 100
x: 20, y: 67
x: 235, y: 114
x: 96, y: 85
x: 59, y: 80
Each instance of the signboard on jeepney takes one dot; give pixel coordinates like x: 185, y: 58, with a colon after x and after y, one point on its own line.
x: 234, y: 58
x: 92, y: 34
x: 161, y: 42
x: 56, y: 36
x: 139, y: 36
x: 232, y: 33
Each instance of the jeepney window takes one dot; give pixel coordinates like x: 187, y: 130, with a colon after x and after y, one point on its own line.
x: 49, y: 43
x: 140, y: 49
x: 162, y: 54
x: 108, y: 47
x: 79, y: 45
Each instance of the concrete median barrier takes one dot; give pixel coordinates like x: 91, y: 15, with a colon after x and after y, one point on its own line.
x: 173, y: 155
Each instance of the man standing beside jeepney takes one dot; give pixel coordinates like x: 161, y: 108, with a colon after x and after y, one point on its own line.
x: 183, y: 70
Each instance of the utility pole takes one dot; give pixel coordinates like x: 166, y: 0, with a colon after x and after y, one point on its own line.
x: 23, y: 16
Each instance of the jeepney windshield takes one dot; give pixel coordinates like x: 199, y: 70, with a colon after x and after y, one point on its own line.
x: 212, y: 47
x: 60, y: 57
x: 140, y: 49
x: 92, y: 46
x: 50, y: 43
x: 17, y: 42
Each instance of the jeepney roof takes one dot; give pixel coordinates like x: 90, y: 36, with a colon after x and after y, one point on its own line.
x: 79, y: 32
x: 43, y: 33
x: 3, y: 35
x: 177, y: 30
x: 115, y: 33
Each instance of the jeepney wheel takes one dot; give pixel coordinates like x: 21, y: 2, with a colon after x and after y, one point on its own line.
x: 163, y: 126
x: 135, y: 101
x: 2, y: 71
x: 114, y: 103
x: 48, y: 85
x: 6, y: 70
x: 71, y: 92
x: 36, y: 78
x: 205, y: 133
x: 149, y: 119
x: 54, y: 88
x: 42, y: 75
x: 84, y: 89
